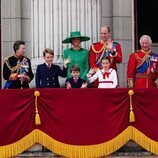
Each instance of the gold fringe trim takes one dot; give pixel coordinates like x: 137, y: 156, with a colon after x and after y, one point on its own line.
x: 82, y: 151
x: 86, y: 151
x: 37, y: 116
x: 72, y: 151
x: 18, y: 147
x: 131, y: 114
x: 144, y: 141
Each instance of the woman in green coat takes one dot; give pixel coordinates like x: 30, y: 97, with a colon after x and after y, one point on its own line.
x: 78, y: 56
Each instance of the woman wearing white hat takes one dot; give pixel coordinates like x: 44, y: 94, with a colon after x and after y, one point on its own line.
x: 77, y: 54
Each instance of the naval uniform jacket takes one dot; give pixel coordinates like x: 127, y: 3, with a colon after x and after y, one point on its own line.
x: 48, y: 77
x: 12, y: 67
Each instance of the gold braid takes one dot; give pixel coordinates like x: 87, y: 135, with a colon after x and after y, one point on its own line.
x: 9, y: 66
x: 142, y: 60
x: 99, y: 51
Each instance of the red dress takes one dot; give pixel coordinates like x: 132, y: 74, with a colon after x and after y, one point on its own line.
x: 142, y: 70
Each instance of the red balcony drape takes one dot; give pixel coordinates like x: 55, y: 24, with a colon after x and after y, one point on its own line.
x: 78, y: 122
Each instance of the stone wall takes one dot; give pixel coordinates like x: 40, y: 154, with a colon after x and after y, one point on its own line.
x: 118, y: 15
x: 16, y: 24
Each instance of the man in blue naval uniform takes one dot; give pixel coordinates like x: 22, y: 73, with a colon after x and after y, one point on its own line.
x: 47, y: 73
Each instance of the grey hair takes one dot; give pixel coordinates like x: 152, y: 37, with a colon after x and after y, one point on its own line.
x: 147, y: 37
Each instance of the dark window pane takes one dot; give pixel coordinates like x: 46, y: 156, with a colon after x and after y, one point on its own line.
x: 147, y: 15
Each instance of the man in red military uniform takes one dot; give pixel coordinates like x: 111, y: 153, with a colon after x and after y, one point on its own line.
x: 105, y: 48
x: 142, y: 70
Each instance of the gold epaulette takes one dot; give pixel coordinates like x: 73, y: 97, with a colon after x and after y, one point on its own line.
x: 6, y: 60
x: 99, y: 51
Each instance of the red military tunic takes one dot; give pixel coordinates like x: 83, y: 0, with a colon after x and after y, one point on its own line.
x: 98, y: 50
x: 142, y: 69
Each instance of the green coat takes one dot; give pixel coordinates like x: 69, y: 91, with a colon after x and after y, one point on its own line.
x: 79, y: 57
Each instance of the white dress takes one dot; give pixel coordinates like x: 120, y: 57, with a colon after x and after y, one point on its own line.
x: 108, y: 80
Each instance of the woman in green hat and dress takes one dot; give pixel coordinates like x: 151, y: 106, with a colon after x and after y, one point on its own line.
x: 78, y: 56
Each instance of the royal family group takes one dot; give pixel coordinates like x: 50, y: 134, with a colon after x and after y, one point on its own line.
x: 94, y: 68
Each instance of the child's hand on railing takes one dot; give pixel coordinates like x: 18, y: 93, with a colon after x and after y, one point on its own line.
x: 68, y: 85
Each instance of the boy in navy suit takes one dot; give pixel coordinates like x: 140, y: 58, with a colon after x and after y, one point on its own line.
x: 47, y: 73
x: 75, y: 81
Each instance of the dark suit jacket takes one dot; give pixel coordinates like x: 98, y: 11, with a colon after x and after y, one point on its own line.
x: 77, y: 84
x: 48, y: 78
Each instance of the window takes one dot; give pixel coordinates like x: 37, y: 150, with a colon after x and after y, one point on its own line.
x: 146, y: 19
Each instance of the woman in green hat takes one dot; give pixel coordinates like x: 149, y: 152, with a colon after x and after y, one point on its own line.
x: 77, y: 54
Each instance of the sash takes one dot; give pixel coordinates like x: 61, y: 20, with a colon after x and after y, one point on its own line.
x: 105, y: 53
x: 148, y: 63
x: 7, y: 84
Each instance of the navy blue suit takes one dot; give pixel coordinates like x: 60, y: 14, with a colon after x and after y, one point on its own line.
x: 48, y: 78
x: 74, y: 84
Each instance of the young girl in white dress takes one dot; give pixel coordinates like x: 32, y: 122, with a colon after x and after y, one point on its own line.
x: 106, y: 76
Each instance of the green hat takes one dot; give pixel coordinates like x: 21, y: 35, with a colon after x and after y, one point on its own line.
x: 75, y: 34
